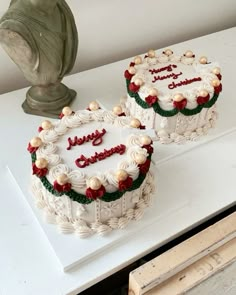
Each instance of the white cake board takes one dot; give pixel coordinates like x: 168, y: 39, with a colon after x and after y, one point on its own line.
x: 70, y: 249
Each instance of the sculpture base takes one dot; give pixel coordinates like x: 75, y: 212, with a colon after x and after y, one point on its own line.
x: 48, y: 101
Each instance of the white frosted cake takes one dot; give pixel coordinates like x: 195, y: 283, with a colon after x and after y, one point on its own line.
x: 173, y: 94
x: 91, y: 171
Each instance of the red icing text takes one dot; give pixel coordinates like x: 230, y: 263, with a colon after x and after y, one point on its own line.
x: 174, y: 85
x: 96, y: 138
x: 168, y: 68
x: 82, y: 161
x: 172, y: 75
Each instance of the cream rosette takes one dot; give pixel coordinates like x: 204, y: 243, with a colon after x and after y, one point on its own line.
x: 112, y: 182
x: 77, y: 180
x: 207, y: 78
x: 49, y: 135
x: 175, y: 58
x: 133, y: 140
x: 71, y: 121
x: 56, y: 171
x: 101, y: 178
x: 134, y: 152
x: 98, y: 115
x: 166, y: 103
x: 84, y: 116
x: 187, y: 60
x: 122, y: 122
x: 109, y: 117
x: 60, y: 127
x: 152, y: 61
x: 130, y: 167
x: 143, y: 66
x: 141, y: 74
x: 163, y: 58
x: 53, y: 160
x: 46, y: 149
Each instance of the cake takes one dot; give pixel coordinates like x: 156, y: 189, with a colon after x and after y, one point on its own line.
x: 91, y: 170
x: 174, y: 94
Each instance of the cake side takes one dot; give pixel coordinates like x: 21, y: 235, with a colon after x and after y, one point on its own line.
x: 178, y: 128
x: 97, y: 217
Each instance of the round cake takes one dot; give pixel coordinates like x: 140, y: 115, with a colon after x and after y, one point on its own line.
x: 173, y: 94
x: 90, y: 170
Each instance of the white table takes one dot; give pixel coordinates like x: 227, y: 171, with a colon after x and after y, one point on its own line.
x: 28, y: 264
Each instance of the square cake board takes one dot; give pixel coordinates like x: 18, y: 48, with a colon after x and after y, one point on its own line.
x: 71, y: 250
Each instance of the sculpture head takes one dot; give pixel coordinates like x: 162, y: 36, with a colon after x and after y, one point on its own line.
x: 31, y: 33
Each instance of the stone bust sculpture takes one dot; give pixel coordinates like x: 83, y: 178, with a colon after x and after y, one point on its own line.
x: 40, y: 36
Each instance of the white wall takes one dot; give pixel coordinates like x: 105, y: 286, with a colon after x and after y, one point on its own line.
x: 113, y: 30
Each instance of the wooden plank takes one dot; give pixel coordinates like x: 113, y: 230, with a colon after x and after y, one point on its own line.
x: 222, y: 282
x: 199, y: 271
x: 181, y: 256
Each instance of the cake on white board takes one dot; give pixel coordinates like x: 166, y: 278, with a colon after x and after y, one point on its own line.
x: 174, y: 94
x: 88, y: 175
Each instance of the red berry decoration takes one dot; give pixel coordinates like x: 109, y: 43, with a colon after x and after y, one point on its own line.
x: 218, y: 89
x: 128, y: 75
x: 95, y: 194
x: 203, y: 99
x: 219, y: 76
x: 148, y: 148
x: 133, y: 87
x: 150, y: 100
x: 180, y: 105
x: 143, y: 168
x: 62, y: 188
x: 125, y: 184
x: 40, y: 172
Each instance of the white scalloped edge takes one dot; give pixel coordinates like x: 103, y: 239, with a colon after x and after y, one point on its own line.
x: 83, y: 229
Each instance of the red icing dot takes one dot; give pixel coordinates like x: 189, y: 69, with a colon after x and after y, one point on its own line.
x: 180, y: 105
x: 125, y: 184
x: 127, y: 75
x: 62, y: 188
x: 133, y: 87
x: 150, y: 100
x: 219, y: 76
x: 218, y: 89
x: 94, y: 194
x: 202, y: 99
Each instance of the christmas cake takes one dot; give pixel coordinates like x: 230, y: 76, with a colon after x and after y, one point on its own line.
x: 90, y: 170
x: 174, y: 94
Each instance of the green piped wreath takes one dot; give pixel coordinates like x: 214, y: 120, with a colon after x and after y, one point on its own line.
x: 170, y: 113
x: 80, y: 198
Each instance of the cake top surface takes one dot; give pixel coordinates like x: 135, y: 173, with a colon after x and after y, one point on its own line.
x: 91, y: 150
x: 171, y: 83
